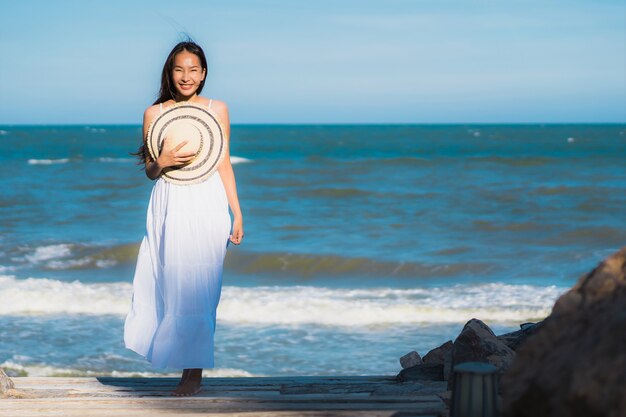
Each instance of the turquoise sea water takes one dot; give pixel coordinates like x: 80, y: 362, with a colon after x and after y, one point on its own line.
x: 362, y: 242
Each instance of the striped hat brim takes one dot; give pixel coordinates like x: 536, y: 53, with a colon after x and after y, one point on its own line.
x: 200, y: 127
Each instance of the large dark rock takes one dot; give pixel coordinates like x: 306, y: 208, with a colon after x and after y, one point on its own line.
x: 441, y: 355
x: 410, y: 359
x: 478, y: 343
x: 423, y: 372
x: 514, y: 340
x: 438, y: 354
x: 575, y: 364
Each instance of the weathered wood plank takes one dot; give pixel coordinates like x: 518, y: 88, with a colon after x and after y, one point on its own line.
x: 245, y: 396
x: 204, y: 407
x: 263, y: 398
x: 166, y: 413
x: 220, y: 380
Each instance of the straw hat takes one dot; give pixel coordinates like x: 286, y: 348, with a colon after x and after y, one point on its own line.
x: 199, y: 126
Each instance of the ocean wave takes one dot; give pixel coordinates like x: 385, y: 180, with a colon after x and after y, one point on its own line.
x: 340, y: 192
x: 493, y: 226
x: 435, y: 159
x: 394, y: 161
x: 239, y: 159
x: 305, y: 305
x: 600, y: 235
x: 386, y: 306
x: 294, y: 265
x: 40, y: 296
x: 517, y: 160
x: 569, y: 190
x: 16, y: 369
x: 68, y: 256
x: 514, y: 161
x: 48, y: 161
x: 43, y: 253
x: 306, y: 265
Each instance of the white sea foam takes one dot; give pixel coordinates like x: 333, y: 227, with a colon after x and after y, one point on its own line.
x: 48, y: 161
x: 44, y: 253
x: 37, y: 296
x: 69, y: 263
x: 3, y: 132
x: 299, y: 305
x: 238, y: 159
x: 105, y: 263
x: 59, y: 257
x: 384, y: 306
x: 14, y: 367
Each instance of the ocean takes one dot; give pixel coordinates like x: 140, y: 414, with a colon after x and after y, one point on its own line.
x: 362, y: 242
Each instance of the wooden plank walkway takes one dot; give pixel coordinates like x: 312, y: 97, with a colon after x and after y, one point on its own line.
x: 377, y: 396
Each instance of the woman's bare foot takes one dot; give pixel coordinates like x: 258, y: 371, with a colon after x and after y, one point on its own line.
x: 183, y: 377
x: 191, y: 385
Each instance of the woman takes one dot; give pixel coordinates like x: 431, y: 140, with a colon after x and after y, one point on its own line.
x: 178, y: 277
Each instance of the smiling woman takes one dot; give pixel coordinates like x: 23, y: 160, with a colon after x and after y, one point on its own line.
x: 178, y: 277
x: 182, y: 79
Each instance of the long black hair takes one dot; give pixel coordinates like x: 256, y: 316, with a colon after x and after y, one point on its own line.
x: 168, y: 90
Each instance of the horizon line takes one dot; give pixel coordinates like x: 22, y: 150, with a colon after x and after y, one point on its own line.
x: 324, y: 124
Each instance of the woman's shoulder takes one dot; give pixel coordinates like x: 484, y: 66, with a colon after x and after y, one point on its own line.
x: 156, y: 108
x: 215, y: 103
x: 151, y: 111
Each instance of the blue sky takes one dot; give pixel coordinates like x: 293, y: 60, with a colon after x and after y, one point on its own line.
x: 339, y: 61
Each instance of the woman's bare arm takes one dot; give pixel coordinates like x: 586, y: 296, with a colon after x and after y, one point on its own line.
x: 228, y: 176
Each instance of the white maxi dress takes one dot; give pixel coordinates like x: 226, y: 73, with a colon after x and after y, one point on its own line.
x: 178, y: 276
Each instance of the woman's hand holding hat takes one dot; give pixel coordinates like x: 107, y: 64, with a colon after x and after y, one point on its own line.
x: 188, y: 127
x: 171, y: 156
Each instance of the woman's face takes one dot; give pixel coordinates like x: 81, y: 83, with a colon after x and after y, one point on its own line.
x: 187, y: 73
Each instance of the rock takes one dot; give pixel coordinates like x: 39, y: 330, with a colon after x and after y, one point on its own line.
x: 478, y: 343
x: 6, y: 383
x: 441, y: 355
x: 410, y: 359
x: 423, y: 372
x: 575, y: 363
x: 438, y: 355
x: 447, y: 365
x: 515, y: 339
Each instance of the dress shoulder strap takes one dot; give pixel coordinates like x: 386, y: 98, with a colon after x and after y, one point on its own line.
x: 210, y: 101
x: 160, y: 108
